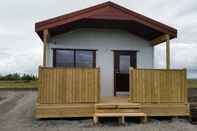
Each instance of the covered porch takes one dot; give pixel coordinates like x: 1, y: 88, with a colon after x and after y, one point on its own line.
x: 120, y: 35
x: 71, y: 92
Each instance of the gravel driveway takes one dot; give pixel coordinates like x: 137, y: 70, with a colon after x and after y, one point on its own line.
x: 17, y: 114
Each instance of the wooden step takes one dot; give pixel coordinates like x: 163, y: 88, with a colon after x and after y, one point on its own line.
x: 117, y: 106
x: 120, y: 115
x: 117, y: 110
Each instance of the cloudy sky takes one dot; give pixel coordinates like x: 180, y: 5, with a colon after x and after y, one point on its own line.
x: 21, y: 48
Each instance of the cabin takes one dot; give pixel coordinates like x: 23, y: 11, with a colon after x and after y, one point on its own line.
x: 99, y: 62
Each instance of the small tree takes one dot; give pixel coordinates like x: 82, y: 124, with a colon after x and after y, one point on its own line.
x: 14, y: 76
x: 28, y: 77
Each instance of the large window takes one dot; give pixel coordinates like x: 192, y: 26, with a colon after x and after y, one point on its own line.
x: 74, y: 58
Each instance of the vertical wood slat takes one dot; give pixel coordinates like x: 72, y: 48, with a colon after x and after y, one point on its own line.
x: 158, y: 86
x: 68, y: 85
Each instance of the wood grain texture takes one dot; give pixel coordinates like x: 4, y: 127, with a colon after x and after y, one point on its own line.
x: 158, y: 86
x: 45, y: 40
x: 75, y: 92
x: 168, y: 52
x: 116, y: 106
x: 68, y: 85
x: 64, y: 110
x: 167, y: 109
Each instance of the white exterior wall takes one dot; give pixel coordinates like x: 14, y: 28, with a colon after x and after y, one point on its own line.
x: 104, y: 41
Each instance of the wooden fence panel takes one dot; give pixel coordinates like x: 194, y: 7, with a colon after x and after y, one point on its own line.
x: 158, y: 86
x: 68, y: 85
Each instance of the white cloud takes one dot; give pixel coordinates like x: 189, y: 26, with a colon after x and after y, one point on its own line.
x: 21, y: 48
x: 182, y: 55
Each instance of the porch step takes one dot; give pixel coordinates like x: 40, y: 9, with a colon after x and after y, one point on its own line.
x: 120, y: 115
x: 117, y: 106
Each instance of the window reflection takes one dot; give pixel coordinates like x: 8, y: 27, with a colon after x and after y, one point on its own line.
x: 74, y: 58
x: 124, y: 63
x: 84, y: 58
x: 64, y: 58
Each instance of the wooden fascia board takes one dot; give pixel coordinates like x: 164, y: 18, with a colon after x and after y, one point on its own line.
x: 160, y: 39
x: 58, y: 20
x: 88, y: 12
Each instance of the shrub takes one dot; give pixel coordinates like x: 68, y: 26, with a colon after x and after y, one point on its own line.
x: 17, y: 76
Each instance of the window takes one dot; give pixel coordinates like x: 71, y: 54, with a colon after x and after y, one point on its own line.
x: 74, y: 58
x: 64, y: 58
x: 124, y: 63
x: 84, y: 59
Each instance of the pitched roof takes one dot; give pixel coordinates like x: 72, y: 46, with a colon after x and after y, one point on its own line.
x: 107, y: 15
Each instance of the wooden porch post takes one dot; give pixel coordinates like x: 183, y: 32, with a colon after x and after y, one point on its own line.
x: 167, y: 52
x: 45, y: 39
x: 164, y: 38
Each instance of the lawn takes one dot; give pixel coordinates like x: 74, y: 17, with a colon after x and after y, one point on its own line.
x: 192, y: 83
x: 18, y: 84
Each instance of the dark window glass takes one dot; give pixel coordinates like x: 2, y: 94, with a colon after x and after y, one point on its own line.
x: 74, y: 58
x: 64, y: 58
x: 84, y: 58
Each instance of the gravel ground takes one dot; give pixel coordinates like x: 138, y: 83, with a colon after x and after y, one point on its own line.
x: 17, y: 114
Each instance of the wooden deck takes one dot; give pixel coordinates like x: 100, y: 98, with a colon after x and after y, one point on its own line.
x: 76, y: 93
x: 111, y: 107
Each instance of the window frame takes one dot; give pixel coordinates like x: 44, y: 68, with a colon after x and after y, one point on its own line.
x: 74, y: 51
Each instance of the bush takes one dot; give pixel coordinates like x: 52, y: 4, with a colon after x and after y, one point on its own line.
x: 28, y: 77
x: 16, y: 76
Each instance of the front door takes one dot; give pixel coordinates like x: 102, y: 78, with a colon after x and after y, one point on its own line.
x: 123, y: 60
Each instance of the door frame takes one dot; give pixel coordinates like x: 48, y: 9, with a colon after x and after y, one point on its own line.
x: 114, y: 66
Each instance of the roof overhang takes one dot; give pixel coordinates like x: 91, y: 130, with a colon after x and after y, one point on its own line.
x: 107, y: 15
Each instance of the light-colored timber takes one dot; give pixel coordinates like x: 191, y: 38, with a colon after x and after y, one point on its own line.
x: 167, y: 52
x: 148, y: 86
x: 120, y: 115
x: 76, y: 93
x: 166, y: 109
x: 45, y: 47
x: 64, y: 110
x: 117, y: 107
x: 117, y: 104
x: 160, y: 92
x: 68, y: 85
x: 160, y: 39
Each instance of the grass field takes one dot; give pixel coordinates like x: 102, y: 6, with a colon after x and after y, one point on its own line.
x: 18, y: 84
x: 192, y: 83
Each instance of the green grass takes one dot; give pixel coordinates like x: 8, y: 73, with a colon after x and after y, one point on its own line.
x: 192, y: 83
x: 18, y: 84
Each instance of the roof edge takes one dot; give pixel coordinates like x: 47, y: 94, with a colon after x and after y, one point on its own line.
x: 40, y: 26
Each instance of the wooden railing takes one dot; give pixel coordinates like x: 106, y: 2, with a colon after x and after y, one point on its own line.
x: 158, y: 86
x: 68, y: 85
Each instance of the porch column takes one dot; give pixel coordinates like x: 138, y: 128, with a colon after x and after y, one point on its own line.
x: 164, y: 38
x: 45, y: 39
x: 167, y: 52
